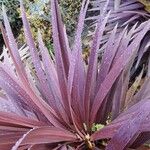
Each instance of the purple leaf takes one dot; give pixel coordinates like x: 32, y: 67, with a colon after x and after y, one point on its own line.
x: 115, y: 71
x: 51, y: 135
x: 36, y: 60
x: 62, y: 78
x: 91, y: 72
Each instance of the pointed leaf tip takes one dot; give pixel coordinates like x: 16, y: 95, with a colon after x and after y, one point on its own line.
x: 4, y: 11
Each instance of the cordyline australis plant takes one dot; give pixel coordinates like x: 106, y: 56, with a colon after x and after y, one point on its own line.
x: 61, y: 103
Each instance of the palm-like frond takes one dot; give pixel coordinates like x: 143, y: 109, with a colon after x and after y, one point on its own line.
x: 123, y: 12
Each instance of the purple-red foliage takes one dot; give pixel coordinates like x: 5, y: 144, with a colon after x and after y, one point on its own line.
x: 57, y: 101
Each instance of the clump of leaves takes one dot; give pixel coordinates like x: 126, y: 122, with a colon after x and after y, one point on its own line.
x: 57, y: 102
x: 124, y: 12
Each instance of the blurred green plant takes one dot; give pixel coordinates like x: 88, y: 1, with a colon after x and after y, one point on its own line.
x: 11, y: 7
x: 39, y: 17
x: 37, y: 13
x: 70, y: 10
x: 97, y: 127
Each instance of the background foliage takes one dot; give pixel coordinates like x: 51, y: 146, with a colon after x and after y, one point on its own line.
x: 13, y: 15
x: 70, y: 11
x: 39, y: 17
